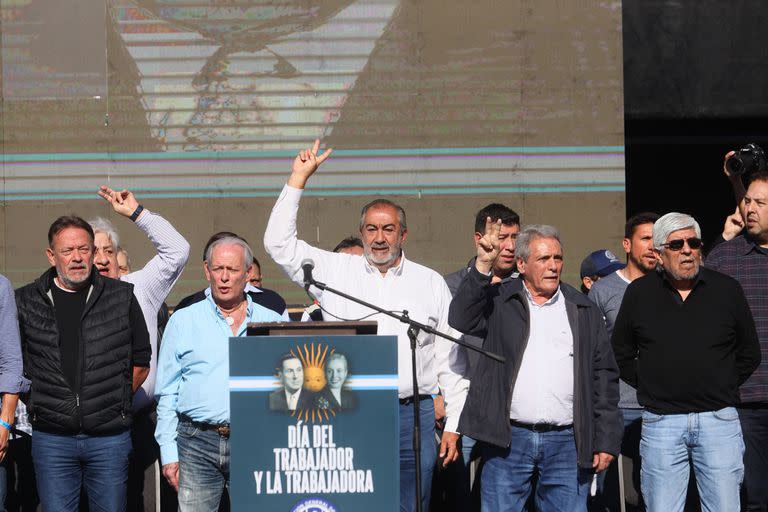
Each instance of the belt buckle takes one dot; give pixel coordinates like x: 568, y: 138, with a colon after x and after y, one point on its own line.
x: 223, y: 430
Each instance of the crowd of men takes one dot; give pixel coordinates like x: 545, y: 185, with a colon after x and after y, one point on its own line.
x: 659, y: 359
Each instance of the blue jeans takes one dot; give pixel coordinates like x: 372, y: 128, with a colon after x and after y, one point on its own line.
x: 407, y: 460
x: 203, y: 468
x: 549, y: 457
x: 711, y: 441
x: 63, y: 463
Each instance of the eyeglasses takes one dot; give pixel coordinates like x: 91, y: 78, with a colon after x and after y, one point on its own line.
x: 676, y: 245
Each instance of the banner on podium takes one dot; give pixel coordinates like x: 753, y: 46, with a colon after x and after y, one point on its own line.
x: 314, y: 423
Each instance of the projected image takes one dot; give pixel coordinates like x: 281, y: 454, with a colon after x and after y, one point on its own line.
x: 250, y: 74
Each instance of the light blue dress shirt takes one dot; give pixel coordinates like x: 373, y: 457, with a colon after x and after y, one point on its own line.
x: 193, y: 368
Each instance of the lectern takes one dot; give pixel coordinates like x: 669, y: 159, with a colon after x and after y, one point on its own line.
x: 314, y: 416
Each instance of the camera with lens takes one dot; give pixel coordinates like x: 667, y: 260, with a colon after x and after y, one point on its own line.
x: 751, y: 158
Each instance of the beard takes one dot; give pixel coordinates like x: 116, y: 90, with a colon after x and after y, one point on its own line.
x: 393, y: 252
x: 74, y: 283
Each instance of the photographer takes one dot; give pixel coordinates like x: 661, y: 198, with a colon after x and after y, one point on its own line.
x: 744, y: 256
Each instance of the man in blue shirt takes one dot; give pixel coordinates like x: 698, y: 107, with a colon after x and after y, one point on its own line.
x: 193, y: 412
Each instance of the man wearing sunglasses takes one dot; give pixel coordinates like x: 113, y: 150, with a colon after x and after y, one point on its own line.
x: 745, y: 258
x: 685, y: 338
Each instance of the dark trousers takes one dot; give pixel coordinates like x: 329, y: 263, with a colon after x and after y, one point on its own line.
x: 18, y: 473
x: 754, y: 427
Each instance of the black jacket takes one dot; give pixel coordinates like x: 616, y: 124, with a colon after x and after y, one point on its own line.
x: 101, y: 403
x: 500, y: 315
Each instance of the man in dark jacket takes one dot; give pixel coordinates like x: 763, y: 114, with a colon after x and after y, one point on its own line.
x: 550, y: 412
x: 86, y: 350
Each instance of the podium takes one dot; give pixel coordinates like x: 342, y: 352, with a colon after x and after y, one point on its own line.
x: 314, y: 417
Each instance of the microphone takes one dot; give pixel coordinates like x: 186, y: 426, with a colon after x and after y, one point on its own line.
x: 307, y: 265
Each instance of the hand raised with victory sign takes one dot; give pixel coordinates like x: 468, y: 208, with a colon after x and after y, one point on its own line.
x: 306, y: 163
x: 488, y: 246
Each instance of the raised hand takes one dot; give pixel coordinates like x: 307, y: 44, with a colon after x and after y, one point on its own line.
x: 123, y: 202
x: 733, y: 225
x: 306, y: 163
x: 728, y: 156
x: 488, y: 246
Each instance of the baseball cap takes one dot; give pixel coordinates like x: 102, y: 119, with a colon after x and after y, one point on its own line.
x: 600, y: 263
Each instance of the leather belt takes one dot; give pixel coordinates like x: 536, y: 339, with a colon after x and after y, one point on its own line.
x: 221, y: 428
x: 540, y: 427
x: 409, y: 399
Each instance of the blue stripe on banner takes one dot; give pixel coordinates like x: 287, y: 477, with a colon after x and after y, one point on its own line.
x: 358, y: 382
x: 240, y: 155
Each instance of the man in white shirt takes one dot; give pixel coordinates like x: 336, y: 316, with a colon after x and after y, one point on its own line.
x: 385, y: 277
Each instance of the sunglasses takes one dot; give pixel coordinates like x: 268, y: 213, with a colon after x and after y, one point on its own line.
x: 676, y: 245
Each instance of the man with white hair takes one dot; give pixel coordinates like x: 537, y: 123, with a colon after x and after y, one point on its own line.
x: 193, y: 410
x: 151, y: 286
x: 685, y: 338
x: 549, y: 414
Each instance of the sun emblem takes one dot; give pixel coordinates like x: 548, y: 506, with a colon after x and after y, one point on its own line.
x: 313, y: 360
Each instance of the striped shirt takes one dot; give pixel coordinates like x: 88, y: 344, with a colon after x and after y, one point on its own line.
x: 747, y: 262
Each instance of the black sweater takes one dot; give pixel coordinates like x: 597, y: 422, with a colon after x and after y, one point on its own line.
x: 685, y: 356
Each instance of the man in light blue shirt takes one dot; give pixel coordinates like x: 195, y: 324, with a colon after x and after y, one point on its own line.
x: 195, y: 345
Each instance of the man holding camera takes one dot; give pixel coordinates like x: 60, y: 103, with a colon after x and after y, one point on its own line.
x: 745, y: 258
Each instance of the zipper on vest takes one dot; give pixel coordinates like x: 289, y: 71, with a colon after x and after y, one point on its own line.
x: 79, y: 416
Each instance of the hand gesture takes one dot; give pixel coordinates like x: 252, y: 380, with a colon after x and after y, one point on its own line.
x: 122, y: 202
x: 306, y: 163
x: 734, y: 223
x: 488, y: 246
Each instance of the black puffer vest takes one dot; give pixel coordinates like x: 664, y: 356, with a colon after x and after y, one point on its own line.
x: 101, y: 403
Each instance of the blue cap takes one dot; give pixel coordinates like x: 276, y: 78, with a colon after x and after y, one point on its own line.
x: 600, y: 263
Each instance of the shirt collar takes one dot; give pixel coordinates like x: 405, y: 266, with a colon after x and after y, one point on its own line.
x: 551, y: 301
x: 749, y: 244
x: 217, y: 312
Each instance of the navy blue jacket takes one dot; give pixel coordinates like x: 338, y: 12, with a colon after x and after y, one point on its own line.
x: 500, y: 315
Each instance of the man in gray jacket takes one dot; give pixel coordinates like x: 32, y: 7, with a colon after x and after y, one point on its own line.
x: 550, y: 411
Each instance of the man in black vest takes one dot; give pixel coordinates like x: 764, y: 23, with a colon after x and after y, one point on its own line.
x: 86, y: 350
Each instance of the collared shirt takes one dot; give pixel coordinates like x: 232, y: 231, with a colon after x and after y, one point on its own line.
x: 153, y: 283
x: 407, y: 286
x: 543, y: 391
x: 292, y: 399
x: 11, y: 377
x: 193, y: 368
x: 747, y: 262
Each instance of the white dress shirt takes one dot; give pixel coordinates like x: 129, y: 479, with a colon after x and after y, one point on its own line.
x: 543, y: 390
x: 408, y: 286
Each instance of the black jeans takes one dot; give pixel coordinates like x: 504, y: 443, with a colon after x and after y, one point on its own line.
x: 754, y: 428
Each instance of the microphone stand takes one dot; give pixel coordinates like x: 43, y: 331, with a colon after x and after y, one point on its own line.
x: 413, y: 330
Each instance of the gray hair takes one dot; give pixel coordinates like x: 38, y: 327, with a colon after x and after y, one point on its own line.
x: 231, y: 240
x: 531, y: 232
x: 670, y: 223
x: 385, y: 202
x: 102, y: 225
